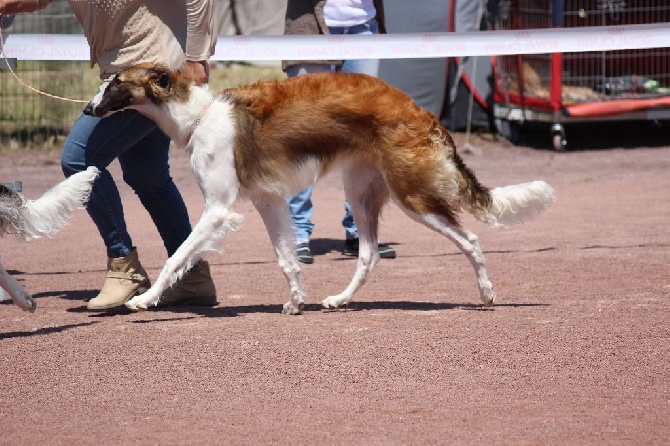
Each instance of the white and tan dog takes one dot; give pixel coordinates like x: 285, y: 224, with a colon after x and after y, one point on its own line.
x: 31, y: 219
x: 268, y: 140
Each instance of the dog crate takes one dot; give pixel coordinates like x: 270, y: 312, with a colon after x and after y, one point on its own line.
x: 557, y: 89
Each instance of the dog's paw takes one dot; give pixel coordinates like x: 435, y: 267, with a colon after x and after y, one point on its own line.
x: 29, y: 305
x: 25, y: 302
x: 488, y: 296
x: 135, y: 306
x: 334, y: 302
x: 139, y: 303
x: 291, y: 309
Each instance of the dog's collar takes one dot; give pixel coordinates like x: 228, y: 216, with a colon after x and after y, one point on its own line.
x: 198, y: 119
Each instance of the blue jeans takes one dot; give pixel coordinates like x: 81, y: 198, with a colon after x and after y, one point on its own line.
x: 300, y: 204
x: 142, y: 149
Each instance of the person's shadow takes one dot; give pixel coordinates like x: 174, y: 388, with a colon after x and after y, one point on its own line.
x: 323, y: 246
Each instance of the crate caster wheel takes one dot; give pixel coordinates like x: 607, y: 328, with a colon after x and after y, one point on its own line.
x: 558, y: 138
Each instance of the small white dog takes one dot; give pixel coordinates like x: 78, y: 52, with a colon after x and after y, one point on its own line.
x: 268, y: 140
x: 31, y: 219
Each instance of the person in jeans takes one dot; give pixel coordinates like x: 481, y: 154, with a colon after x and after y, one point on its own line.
x: 180, y: 34
x: 334, y: 17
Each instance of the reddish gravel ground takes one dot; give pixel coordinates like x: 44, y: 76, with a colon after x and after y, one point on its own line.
x: 575, y: 352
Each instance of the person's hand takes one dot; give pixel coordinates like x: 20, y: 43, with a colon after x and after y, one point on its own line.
x: 197, y: 71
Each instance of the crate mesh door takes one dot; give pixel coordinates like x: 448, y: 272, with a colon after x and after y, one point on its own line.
x: 626, y: 74
x: 582, y: 77
x: 532, y: 71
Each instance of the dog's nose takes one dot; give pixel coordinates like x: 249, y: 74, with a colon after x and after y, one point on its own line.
x: 88, y: 110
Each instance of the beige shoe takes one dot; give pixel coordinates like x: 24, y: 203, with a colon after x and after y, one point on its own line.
x: 196, y: 287
x: 125, y: 278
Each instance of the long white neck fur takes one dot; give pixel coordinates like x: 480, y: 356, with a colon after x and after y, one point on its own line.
x: 176, y: 119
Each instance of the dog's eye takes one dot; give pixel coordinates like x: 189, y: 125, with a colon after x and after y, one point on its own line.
x: 164, y: 81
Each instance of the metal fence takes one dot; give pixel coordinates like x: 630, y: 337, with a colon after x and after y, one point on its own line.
x: 607, y: 73
x: 30, y: 118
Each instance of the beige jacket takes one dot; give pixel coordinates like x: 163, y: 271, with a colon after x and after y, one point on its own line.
x: 122, y: 33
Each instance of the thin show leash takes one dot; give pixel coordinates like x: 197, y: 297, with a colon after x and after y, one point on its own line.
x: 198, y: 119
x: 2, y: 50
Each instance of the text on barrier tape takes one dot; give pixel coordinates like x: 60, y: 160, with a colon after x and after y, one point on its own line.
x: 383, y: 46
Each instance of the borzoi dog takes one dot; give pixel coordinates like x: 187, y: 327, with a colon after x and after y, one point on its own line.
x: 268, y: 140
x: 31, y: 219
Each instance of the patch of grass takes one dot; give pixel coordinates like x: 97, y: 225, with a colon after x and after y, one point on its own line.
x: 24, y: 113
x: 30, y: 120
x: 237, y: 74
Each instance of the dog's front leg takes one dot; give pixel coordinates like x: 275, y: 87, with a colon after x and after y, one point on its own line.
x: 277, y: 219
x: 208, y: 234
x: 19, y: 295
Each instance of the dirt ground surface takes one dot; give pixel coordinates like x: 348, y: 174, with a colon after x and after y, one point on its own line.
x: 576, y: 351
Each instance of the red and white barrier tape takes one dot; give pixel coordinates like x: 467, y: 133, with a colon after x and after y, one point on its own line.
x: 385, y: 46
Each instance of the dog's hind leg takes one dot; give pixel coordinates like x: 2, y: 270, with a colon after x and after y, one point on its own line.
x: 216, y: 223
x: 19, y: 295
x: 277, y: 219
x: 467, y: 242
x: 366, y: 193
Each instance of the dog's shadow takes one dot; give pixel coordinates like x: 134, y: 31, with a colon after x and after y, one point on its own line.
x: 356, y: 306
x: 318, y: 246
x: 223, y: 310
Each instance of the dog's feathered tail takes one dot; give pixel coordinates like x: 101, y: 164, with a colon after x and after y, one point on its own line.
x: 505, y: 205
x: 519, y: 203
x: 48, y: 214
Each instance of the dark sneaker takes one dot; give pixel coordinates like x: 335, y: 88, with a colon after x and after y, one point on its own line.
x: 304, y: 254
x: 386, y: 251
x: 351, y: 249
